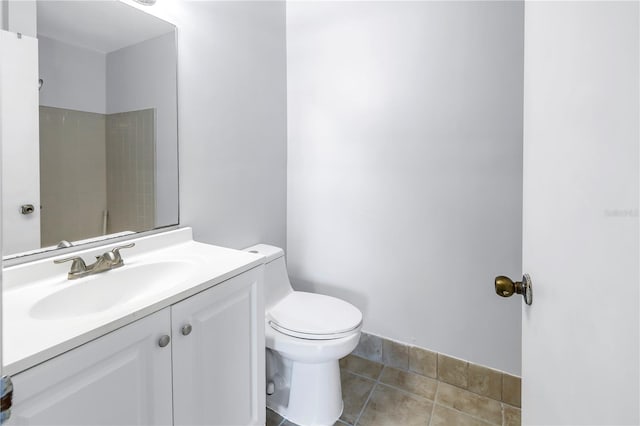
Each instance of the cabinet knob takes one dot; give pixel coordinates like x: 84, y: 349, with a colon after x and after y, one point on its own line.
x: 164, y: 341
x: 186, y: 329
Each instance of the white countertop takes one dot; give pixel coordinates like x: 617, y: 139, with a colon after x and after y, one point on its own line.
x: 28, y: 341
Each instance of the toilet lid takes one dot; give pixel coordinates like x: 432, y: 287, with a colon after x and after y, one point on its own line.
x: 314, y: 316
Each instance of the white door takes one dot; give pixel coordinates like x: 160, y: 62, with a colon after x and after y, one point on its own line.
x: 20, y: 142
x: 123, y: 378
x: 580, y: 225
x: 218, y: 359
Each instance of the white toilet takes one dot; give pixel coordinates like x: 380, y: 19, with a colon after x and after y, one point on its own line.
x: 306, y: 334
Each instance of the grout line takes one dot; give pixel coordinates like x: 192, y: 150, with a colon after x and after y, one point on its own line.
x: 380, y: 373
x: 510, y: 405
x: 477, y: 394
x: 362, y: 376
x: 407, y: 392
x: 435, y: 397
x: 364, y: 406
x: 485, y: 421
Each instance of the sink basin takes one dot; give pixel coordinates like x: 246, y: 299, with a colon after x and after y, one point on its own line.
x: 98, y: 293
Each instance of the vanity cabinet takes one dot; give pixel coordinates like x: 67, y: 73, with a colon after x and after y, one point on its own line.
x: 210, y: 372
x: 122, y: 378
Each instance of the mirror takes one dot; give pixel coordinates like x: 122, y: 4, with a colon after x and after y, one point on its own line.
x: 107, y: 151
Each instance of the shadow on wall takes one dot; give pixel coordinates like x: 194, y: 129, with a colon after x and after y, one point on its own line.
x: 359, y: 300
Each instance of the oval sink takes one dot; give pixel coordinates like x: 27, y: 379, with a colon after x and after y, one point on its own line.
x: 103, y: 291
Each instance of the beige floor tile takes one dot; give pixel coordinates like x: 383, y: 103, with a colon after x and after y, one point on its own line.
x: 423, y: 362
x: 511, y: 389
x: 485, y: 381
x: 511, y: 416
x: 273, y: 418
x: 443, y: 416
x: 355, y: 391
x: 453, y: 371
x: 361, y: 366
x: 392, y: 407
x: 410, y: 382
x: 469, y: 403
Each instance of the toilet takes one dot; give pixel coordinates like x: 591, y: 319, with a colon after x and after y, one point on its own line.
x: 306, y: 334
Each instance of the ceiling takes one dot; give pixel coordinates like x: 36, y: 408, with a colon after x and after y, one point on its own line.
x: 102, y: 25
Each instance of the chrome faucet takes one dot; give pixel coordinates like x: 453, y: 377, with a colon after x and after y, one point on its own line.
x: 105, y: 262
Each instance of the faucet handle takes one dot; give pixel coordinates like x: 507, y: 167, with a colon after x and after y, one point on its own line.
x: 78, y: 264
x: 107, y: 256
x: 116, y: 251
x: 64, y: 244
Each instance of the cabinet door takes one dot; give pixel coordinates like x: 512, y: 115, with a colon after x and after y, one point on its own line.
x: 122, y: 378
x: 218, y: 368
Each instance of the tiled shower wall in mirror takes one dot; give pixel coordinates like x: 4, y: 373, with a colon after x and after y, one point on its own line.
x: 130, y: 171
x: 97, y: 173
x: 72, y: 174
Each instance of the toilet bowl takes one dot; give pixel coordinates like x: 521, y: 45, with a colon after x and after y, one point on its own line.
x: 305, y: 335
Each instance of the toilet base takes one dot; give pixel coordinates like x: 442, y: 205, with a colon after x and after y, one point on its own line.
x: 306, y: 376
x: 314, y: 397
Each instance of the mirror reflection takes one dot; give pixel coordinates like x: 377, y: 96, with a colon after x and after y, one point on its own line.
x: 107, y: 151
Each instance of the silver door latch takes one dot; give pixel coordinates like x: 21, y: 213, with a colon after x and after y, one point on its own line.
x: 27, y: 209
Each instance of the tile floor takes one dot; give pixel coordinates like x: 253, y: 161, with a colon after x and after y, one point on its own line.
x: 378, y: 395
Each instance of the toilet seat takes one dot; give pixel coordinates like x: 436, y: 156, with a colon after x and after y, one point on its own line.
x: 314, y: 316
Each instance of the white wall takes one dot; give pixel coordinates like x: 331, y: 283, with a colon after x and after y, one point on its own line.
x: 20, y: 16
x: 232, y: 119
x: 144, y: 76
x: 404, y: 167
x: 4, y: 6
x: 581, y: 225
x: 74, y: 77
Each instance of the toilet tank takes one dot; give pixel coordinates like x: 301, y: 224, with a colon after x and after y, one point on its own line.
x: 276, y: 278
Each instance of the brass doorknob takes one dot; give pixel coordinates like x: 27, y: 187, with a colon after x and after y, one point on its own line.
x: 505, y: 287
